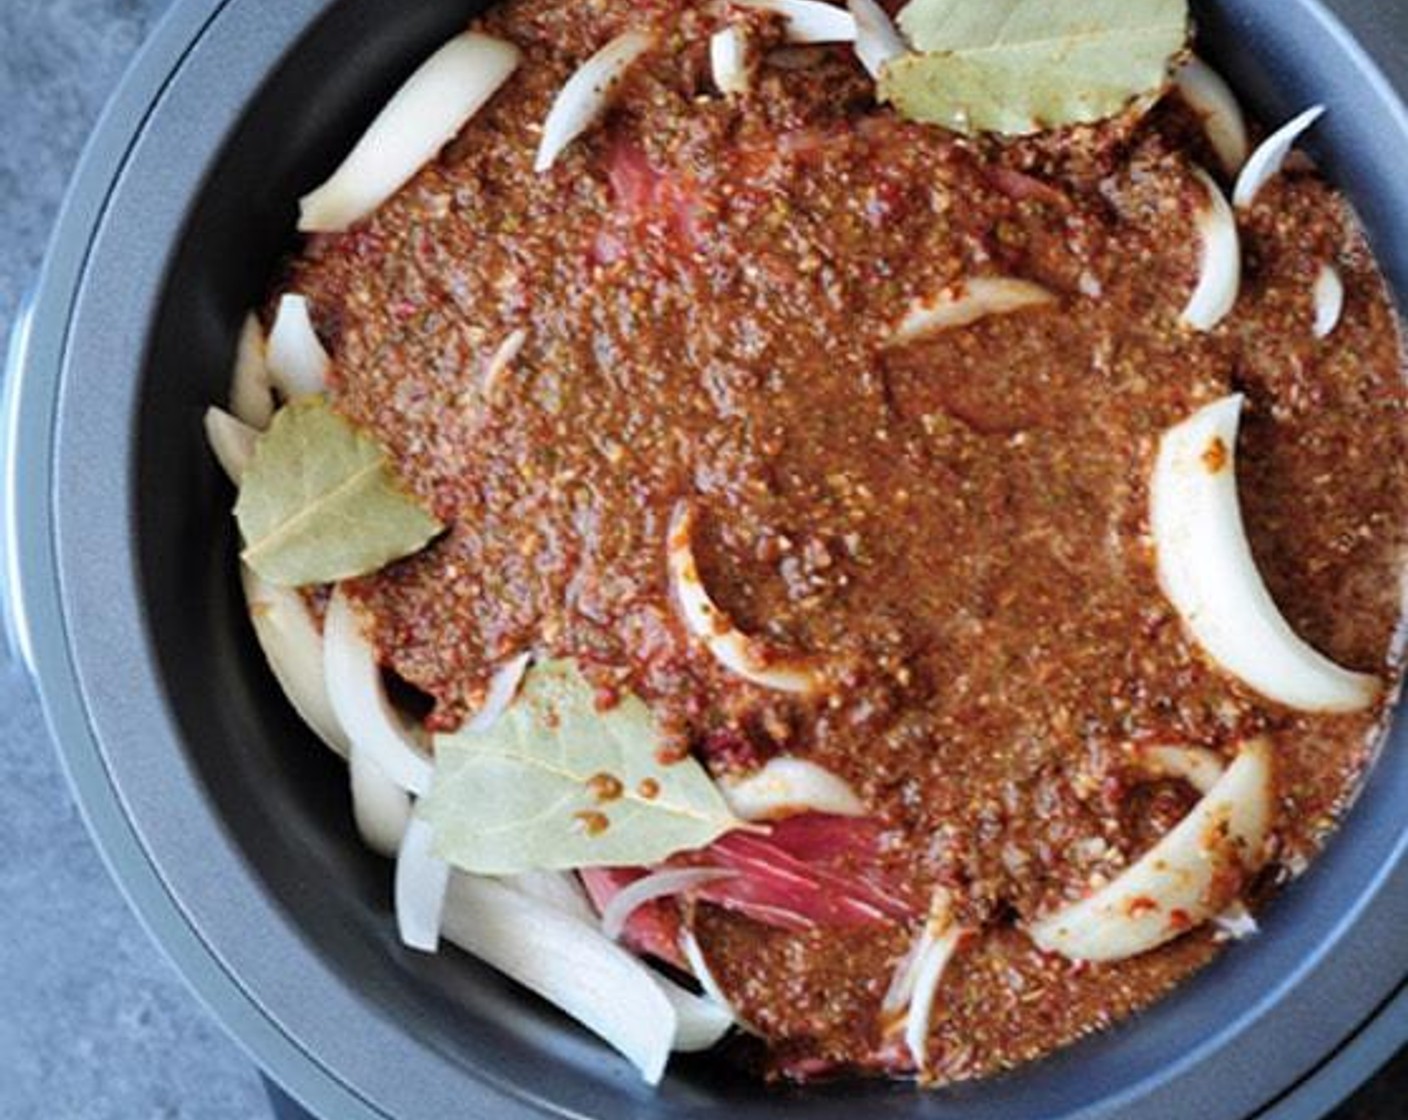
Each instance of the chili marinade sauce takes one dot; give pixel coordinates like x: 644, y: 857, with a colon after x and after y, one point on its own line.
x: 706, y: 285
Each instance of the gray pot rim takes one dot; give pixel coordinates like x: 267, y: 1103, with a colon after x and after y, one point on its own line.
x: 1314, y: 1034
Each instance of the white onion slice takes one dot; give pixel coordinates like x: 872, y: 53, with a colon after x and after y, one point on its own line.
x: 808, y: 21
x: 706, y: 622
x: 694, y: 956
x: 380, y: 808
x: 568, y: 963
x: 298, y: 364
x: 1220, y: 264
x: 787, y: 785
x: 588, y: 93
x: 1199, y: 767
x: 728, y: 60
x: 1182, y: 880
x: 1208, y: 95
x: 560, y: 889
x: 503, y: 688
x: 293, y: 645
x: 878, y: 41
x: 501, y: 360
x: 1265, y: 163
x: 701, y: 1021
x: 232, y: 442
x: 659, y: 884
x: 1236, y: 922
x: 973, y: 299
x: 929, y: 974
x: 424, y: 115
x: 1206, y: 568
x: 359, y: 698
x: 251, y: 391
x: 422, y: 883
x: 1328, y: 293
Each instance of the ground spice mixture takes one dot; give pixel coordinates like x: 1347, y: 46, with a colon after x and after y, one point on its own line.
x: 705, y: 287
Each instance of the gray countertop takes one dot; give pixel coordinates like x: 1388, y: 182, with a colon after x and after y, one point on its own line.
x: 93, y: 1023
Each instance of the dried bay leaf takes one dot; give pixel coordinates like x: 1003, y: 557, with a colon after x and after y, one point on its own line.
x: 1021, y: 66
x: 556, y: 784
x: 320, y: 502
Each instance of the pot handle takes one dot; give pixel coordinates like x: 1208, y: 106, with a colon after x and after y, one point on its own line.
x: 15, y: 644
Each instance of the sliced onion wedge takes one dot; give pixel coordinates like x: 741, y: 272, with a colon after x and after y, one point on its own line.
x: 560, y: 889
x: 1236, y: 923
x: 232, y: 442
x: 1199, y: 767
x: 568, y: 963
x: 1206, y: 569
x: 422, y: 883
x: 293, y: 645
x: 251, y: 391
x: 699, y: 966
x: 878, y: 41
x: 424, y: 115
x: 359, y: 698
x: 808, y: 21
x: 929, y: 974
x: 380, y: 808
x: 1193, y: 873
x: 705, y: 621
x: 1266, y: 162
x: 588, y: 94
x: 961, y: 306
x: 298, y: 364
x: 785, y: 786
x: 1328, y: 294
x: 1220, y: 263
x: 1208, y: 95
x: 701, y: 1021
x: 658, y: 884
x: 728, y: 60
x: 503, y: 688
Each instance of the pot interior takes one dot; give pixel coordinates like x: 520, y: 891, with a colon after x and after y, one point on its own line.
x: 281, y: 800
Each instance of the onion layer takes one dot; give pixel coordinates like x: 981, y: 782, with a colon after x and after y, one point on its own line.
x: 1328, y: 294
x: 728, y: 60
x: 1220, y: 265
x: 878, y: 42
x: 293, y: 645
x: 560, y: 889
x: 587, y: 95
x: 1190, y: 875
x: 251, y: 391
x: 808, y: 21
x: 298, y: 364
x: 1199, y: 767
x: 232, y: 442
x: 380, y: 808
x: 1208, y: 95
x: 359, y: 698
x: 701, y: 1022
x: 503, y: 688
x: 422, y: 882
x: 974, y: 299
x: 659, y: 884
x: 706, y: 622
x: 785, y: 786
x: 1206, y: 569
x: 1265, y: 163
x: 424, y: 115
x: 568, y: 963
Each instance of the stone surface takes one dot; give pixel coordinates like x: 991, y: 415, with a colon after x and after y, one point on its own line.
x: 94, y: 1025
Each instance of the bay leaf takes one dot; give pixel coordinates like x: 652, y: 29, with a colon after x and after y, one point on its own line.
x: 1021, y: 66
x: 319, y: 501
x: 556, y: 784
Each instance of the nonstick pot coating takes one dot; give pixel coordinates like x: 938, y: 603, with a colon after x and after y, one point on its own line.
x: 229, y: 825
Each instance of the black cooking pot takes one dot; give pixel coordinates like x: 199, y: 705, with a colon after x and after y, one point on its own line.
x: 229, y: 826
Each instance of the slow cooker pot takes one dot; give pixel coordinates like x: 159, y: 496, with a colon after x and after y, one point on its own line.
x: 229, y: 827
